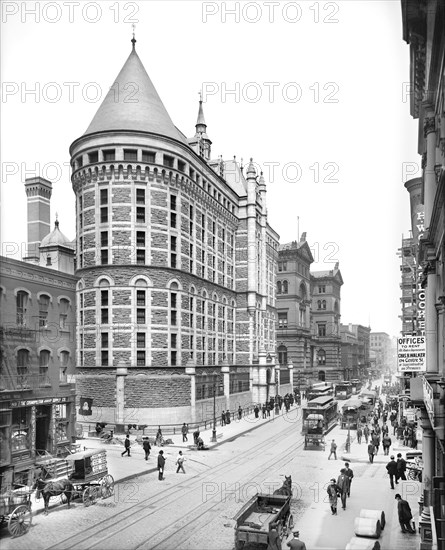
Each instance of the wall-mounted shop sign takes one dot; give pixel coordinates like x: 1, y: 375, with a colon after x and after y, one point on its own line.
x: 44, y: 401
x: 411, y: 353
x: 428, y: 399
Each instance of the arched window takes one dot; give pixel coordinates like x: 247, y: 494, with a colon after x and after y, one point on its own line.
x: 323, y: 304
x: 321, y: 356
x: 279, y: 287
x: 318, y: 304
x: 64, y: 362
x: 282, y: 355
x: 321, y: 375
x: 303, y: 291
x: 285, y: 287
x: 44, y: 356
x: 22, y: 367
x: 63, y: 312
x: 21, y: 307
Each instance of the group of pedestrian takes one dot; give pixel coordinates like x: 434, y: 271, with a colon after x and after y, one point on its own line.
x: 396, y: 470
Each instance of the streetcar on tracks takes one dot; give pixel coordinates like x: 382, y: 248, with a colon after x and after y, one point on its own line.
x: 320, y: 415
x: 343, y: 390
x: 258, y: 515
x: 321, y: 389
x: 356, y: 386
x: 352, y: 413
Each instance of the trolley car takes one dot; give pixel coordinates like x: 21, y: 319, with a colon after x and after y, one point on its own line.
x: 356, y: 386
x: 90, y: 477
x: 343, y: 390
x: 319, y: 390
x: 319, y: 417
x: 352, y: 413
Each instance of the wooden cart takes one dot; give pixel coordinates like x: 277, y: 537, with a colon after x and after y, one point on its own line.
x: 90, y: 477
x: 254, y: 519
x: 15, y: 509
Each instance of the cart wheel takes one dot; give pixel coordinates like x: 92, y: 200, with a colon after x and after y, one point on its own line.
x: 107, y: 486
x: 89, y: 496
x: 20, y: 521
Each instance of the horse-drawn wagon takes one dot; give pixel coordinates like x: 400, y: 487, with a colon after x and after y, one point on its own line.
x: 258, y: 516
x: 90, y: 477
x: 15, y: 509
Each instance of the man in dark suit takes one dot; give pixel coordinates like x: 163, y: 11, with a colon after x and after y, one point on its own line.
x: 405, y: 515
x: 350, y: 474
x: 296, y: 543
x: 401, y: 468
x: 343, y: 484
x: 161, y: 464
x: 391, y: 468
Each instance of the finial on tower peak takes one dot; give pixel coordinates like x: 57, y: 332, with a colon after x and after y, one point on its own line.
x: 56, y: 223
x: 200, y: 96
x: 133, y: 40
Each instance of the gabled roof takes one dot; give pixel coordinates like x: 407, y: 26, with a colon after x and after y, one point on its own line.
x: 133, y: 103
x: 234, y: 177
x: 302, y: 247
x: 331, y: 274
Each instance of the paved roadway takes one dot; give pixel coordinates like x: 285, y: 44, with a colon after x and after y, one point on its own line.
x: 194, y: 511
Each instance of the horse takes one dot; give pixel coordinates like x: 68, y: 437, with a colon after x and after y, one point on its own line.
x: 286, y: 488
x: 50, y: 489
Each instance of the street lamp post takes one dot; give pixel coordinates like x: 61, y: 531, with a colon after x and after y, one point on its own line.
x: 348, y: 439
x: 215, y: 375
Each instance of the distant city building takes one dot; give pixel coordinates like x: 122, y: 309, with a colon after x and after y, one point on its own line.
x: 325, y: 293
x: 381, y: 344
x: 294, y: 338
x: 363, y: 348
x: 349, y: 353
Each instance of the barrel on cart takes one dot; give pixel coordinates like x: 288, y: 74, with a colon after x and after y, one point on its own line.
x: 254, y: 520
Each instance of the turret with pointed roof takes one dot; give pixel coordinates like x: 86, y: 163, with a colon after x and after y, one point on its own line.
x: 201, y: 143
x: 133, y: 103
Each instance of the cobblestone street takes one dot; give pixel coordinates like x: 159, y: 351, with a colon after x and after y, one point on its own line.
x: 194, y: 511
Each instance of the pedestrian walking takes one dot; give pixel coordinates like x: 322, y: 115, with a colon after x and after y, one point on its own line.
x: 268, y: 409
x: 385, y: 429
x: 159, y: 441
x: 376, y: 442
x: 240, y: 412
x: 223, y: 418
x: 405, y: 515
x: 333, y: 491
x: 401, y: 467
x: 350, y: 474
x: 296, y: 543
x: 371, y: 451
x: 359, y: 434
x: 391, y: 468
x: 386, y: 444
x: 127, y: 444
x: 343, y: 484
x: 146, y: 446
x: 185, y: 431
x: 366, y: 433
x: 196, y: 436
x: 333, y: 450
x: 227, y: 417
x: 263, y: 410
x: 161, y: 465
x: 180, y: 463
x: 256, y: 410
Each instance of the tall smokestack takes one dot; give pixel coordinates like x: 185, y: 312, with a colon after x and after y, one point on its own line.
x: 38, y: 191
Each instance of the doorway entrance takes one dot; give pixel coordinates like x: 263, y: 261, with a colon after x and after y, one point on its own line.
x: 43, y: 420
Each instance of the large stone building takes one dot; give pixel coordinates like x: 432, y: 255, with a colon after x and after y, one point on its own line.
x: 294, y: 338
x: 325, y: 293
x: 381, y: 344
x: 37, y: 345
x: 177, y: 266
x: 423, y: 30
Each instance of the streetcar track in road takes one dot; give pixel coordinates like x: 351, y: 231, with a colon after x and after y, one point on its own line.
x: 112, y: 525
x: 290, y: 455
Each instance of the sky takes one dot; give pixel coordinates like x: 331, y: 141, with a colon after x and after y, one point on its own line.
x: 317, y: 93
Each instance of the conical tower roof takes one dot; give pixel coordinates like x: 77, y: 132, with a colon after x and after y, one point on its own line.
x: 134, y: 104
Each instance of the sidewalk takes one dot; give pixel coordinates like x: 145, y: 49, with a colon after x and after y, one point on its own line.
x: 123, y: 469
x: 370, y: 490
